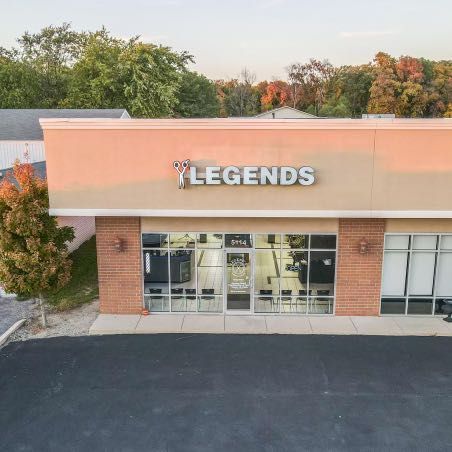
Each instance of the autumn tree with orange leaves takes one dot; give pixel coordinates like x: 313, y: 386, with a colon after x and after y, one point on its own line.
x: 33, y: 248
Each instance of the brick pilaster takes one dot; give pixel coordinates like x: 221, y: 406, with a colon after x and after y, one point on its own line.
x: 358, y: 276
x: 120, y: 279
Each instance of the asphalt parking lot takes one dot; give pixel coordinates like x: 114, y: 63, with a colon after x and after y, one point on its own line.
x: 204, y: 392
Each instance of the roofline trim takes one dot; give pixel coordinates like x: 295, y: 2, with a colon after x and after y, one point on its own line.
x: 245, y: 124
x: 252, y: 213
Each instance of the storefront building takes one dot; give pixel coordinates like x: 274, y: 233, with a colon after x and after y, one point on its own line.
x: 283, y: 217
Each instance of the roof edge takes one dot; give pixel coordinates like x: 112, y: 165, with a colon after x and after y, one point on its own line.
x: 248, y: 124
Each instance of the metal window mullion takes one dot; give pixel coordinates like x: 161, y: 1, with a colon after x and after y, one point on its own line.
x: 169, y: 277
x: 280, y: 273
x: 225, y: 276
x: 439, y: 238
x: 252, y: 256
x: 308, y: 278
x: 408, y: 273
x: 196, y: 273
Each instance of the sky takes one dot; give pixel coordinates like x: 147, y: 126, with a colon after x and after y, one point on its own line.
x: 264, y: 36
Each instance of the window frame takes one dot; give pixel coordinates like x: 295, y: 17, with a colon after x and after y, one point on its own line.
x: 223, y: 249
x: 410, y: 251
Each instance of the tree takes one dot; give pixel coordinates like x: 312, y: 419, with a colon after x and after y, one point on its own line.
x: 241, y: 97
x: 197, y: 97
x: 33, y: 248
x: 352, y: 88
x: 384, y: 88
x: 311, y: 81
x: 19, y: 82
x: 112, y: 73
x: 51, y: 53
x: 294, y: 84
x: 276, y: 94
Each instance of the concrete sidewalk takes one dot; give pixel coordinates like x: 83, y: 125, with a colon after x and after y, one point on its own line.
x: 241, y: 324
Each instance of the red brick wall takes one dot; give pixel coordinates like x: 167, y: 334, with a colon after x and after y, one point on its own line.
x: 358, y: 279
x: 120, y: 280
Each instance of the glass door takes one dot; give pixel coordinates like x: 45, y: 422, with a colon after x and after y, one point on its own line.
x: 238, y: 280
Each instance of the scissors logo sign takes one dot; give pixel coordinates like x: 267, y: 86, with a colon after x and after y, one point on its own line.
x: 181, y: 167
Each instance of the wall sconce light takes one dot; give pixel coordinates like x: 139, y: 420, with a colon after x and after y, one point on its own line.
x: 119, y: 245
x: 363, y: 246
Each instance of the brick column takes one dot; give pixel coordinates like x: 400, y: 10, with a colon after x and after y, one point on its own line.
x: 120, y: 279
x: 358, y: 276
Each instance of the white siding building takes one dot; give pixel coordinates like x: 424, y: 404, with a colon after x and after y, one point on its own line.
x: 285, y: 113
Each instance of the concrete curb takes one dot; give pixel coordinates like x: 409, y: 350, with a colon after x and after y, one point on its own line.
x: 4, y: 337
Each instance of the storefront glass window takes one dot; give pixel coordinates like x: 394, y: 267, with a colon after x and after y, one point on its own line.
x: 417, y: 273
x: 209, y: 240
x: 155, y: 240
x: 238, y: 240
x: 183, y: 280
x: 298, y: 241
x: 261, y: 273
x: 182, y: 240
x: 156, y: 281
x: 268, y: 241
x: 210, y: 280
x: 323, y: 242
x: 266, y: 280
x: 294, y: 280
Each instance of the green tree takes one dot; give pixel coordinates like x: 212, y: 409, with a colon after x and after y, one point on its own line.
x: 352, y: 88
x: 51, y: 53
x: 33, y: 248
x: 112, y: 73
x: 19, y: 82
x: 197, y: 97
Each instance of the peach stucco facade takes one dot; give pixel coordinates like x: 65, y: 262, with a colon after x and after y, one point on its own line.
x: 372, y: 177
x: 363, y: 168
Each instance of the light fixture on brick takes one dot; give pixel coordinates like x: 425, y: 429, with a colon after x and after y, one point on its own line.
x: 119, y: 244
x: 364, y: 246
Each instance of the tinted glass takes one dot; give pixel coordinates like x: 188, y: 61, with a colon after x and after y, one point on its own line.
x: 155, y: 240
x: 296, y: 241
x: 182, y: 240
x: 155, y: 272
x: 323, y: 242
x: 268, y: 241
x: 420, y: 306
x: 237, y: 241
x: 183, y: 280
x: 393, y: 306
x: 321, y: 273
x: 209, y: 240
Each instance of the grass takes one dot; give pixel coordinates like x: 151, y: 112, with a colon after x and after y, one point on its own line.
x: 83, y: 286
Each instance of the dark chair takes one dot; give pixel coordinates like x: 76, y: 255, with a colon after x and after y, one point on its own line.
x: 266, y: 295
x: 156, y: 294
x: 209, y: 292
x: 302, y: 298
x: 177, y: 291
x: 320, y: 294
x: 286, y: 296
x: 191, y: 294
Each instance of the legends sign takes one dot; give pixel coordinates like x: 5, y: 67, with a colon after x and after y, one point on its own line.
x: 247, y: 175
